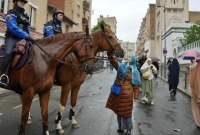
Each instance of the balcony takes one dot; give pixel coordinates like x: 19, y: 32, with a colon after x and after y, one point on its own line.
x: 195, y: 46
x: 84, y: 21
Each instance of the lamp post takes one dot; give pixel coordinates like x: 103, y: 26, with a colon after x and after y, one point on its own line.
x: 165, y: 59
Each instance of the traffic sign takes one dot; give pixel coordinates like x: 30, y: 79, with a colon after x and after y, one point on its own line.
x: 164, y: 51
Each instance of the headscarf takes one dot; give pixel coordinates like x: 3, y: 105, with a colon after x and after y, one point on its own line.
x: 146, y: 65
x: 136, y: 79
x: 122, y: 70
x: 174, y: 72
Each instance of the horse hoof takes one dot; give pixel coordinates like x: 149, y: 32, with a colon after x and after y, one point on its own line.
x: 29, y: 122
x: 60, y: 131
x: 75, y: 126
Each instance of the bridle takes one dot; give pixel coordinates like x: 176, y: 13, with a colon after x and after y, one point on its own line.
x: 108, y: 41
x: 88, y: 47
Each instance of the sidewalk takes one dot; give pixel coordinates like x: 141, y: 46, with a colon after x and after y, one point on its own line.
x: 3, y: 91
x: 179, y: 88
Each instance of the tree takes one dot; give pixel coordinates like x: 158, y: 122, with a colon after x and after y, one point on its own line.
x: 98, y: 26
x: 192, y: 34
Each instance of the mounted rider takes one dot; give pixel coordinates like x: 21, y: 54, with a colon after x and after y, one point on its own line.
x: 54, y: 26
x: 17, y: 29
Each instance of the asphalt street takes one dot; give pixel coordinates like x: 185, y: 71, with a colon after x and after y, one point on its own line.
x: 94, y: 119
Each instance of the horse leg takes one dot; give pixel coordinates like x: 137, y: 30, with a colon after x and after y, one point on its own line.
x: 64, y: 95
x: 74, y: 94
x: 44, y: 99
x: 29, y: 116
x: 27, y: 98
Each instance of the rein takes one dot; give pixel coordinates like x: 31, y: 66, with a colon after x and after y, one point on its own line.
x: 86, y: 57
x: 63, y: 62
x: 106, y: 37
x: 48, y: 54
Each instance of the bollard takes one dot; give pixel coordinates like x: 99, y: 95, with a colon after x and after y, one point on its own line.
x: 186, y: 80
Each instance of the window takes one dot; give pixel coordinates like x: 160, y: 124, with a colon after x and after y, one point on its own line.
x: 77, y: 27
x: 4, y: 6
x: 32, y: 15
x: 78, y: 9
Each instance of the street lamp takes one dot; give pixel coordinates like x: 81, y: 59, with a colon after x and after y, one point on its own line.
x: 165, y: 59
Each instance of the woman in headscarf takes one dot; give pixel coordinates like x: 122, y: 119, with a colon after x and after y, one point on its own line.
x: 122, y: 105
x: 173, y: 79
x: 194, y: 80
x: 148, y: 83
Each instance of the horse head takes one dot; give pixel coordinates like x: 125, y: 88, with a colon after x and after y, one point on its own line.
x: 85, y: 53
x: 110, y: 42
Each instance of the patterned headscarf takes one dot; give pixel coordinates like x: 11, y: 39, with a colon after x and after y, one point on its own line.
x: 122, y: 70
x: 136, y: 79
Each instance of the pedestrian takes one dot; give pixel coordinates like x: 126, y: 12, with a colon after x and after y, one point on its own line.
x: 54, y: 26
x: 157, y: 68
x: 17, y: 29
x: 141, y: 61
x: 148, y: 71
x: 173, y: 79
x: 122, y: 105
x: 194, y: 80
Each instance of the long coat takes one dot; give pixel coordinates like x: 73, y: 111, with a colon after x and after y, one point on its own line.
x: 122, y: 105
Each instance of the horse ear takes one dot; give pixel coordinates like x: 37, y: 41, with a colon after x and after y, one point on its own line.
x: 87, y: 31
x: 102, y: 27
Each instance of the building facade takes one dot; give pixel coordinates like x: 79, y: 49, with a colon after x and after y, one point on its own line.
x: 165, y: 15
x: 129, y: 48
x: 80, y: 12
x: 146, y: 38
x: 110, y: 21
x: 36, y: 9
x: 77, y: 15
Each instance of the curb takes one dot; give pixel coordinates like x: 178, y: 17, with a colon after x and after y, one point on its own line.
x: 179, y: 88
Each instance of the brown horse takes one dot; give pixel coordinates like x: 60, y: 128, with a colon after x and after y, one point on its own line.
x: 71, y: 79
x: 37, y: 77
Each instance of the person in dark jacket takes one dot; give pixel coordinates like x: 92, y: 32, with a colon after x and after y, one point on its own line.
x: 142, y: 60
x: 54, y: 26
x: 17, y: 29
x: 173, y: 79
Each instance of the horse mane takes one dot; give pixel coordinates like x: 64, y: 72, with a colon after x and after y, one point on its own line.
x: 60, y: 37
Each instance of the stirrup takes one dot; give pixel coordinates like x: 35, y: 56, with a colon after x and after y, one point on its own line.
x: 2, y: 82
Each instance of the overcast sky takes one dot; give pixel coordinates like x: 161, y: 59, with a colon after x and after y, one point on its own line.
x: 129, y: 14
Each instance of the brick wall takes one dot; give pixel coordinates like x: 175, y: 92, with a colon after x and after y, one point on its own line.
x: 58, y: 4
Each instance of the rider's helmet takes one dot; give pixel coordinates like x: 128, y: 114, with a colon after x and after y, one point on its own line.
x: 25, y: 1
x: 56, y: 12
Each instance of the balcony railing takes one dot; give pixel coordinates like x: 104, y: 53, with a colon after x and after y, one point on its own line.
x: 195, y: 46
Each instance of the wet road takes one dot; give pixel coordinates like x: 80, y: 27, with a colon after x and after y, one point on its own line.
x: 94, y: 119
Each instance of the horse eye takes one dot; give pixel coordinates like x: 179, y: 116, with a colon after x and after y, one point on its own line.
x: 91, y: 46
x: 110, y: 37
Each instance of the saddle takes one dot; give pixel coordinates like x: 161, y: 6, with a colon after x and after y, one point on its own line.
x: 20, y: 51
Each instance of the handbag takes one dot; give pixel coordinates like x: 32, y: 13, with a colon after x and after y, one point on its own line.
x: 146, y: 74
x: 116, y: 88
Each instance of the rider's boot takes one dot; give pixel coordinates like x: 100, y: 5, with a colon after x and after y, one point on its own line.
x: 4, y: 79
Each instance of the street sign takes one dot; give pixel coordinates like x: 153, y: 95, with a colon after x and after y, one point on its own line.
x: 164, y: 51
